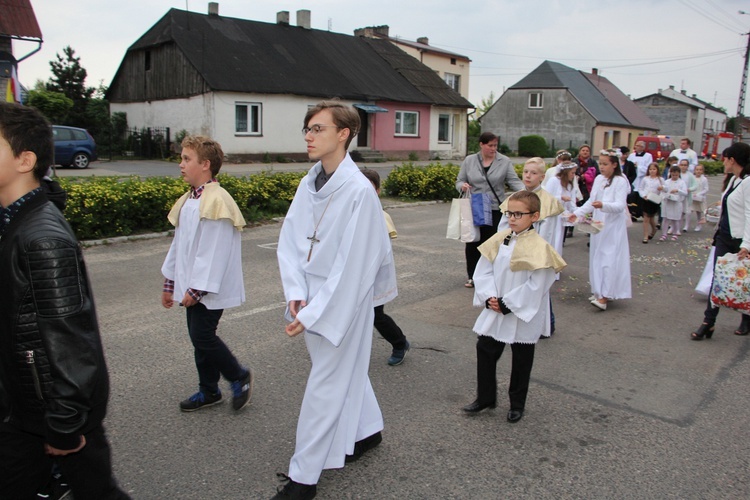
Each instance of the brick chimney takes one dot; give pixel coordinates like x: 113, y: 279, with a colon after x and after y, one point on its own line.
x: 303, y: 19
x: 594, y: 71
x: 282, y: 17
x: 213, y: 8
x: 372, y: 31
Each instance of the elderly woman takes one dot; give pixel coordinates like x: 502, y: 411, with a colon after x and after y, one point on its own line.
x: 486, y: 172
x: 733, y: 232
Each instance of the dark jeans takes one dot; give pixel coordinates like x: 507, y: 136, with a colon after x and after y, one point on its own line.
x: 26, y: 467
x: 489, y: 351
x: 472, y: 249
x: 724, y: 244
x: 212, y: 357
x: 388, y: 328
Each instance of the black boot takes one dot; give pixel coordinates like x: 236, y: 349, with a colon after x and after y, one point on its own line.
x: 744, y: 328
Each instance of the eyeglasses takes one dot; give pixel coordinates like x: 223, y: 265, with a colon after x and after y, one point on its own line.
x: 315, y: 129
x: 517, y: 215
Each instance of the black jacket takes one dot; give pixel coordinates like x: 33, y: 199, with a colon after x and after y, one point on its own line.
x: 53, y: 378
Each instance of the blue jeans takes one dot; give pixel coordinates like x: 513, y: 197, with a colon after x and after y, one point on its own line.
x: 212, y: 357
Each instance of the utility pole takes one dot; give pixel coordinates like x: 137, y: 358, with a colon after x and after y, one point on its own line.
x: 743, y: 90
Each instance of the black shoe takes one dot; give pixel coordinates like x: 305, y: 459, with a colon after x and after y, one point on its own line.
x: 200, y: 400
x: 241, y: 391
x: 295, y: 490
x: 477, y: 406
x: 364, y: 445
x: 514, y: 416
x: 55, y: 489
x: 705, y: 330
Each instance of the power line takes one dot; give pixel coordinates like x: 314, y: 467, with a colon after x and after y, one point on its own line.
x: 732, y: 18
x: 596, y: 60
x: 686, y: 3
x: 672, y: 60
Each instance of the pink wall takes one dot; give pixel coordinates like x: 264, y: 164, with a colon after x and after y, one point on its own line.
x: 383, y: 125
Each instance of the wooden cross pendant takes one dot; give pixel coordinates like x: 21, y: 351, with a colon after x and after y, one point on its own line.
x: 313, y: 241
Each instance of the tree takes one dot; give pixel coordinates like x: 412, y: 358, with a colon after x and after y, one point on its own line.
x: 54, y: 105
x: 485, y: 105
x: 69, y: 78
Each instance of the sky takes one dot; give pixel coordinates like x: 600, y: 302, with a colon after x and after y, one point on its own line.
x: 639, y: 45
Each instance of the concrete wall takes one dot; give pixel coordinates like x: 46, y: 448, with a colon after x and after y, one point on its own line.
x: 213, y: 115
x: 673, y: 117
x: 561, y: 119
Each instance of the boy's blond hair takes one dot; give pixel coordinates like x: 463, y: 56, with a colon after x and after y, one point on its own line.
x: 536, y: 162
x: 206, y: 149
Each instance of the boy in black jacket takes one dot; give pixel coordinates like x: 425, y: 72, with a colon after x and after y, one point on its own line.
x: 53, y: 379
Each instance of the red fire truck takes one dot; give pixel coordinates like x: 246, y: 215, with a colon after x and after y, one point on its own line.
x: 715, y: 143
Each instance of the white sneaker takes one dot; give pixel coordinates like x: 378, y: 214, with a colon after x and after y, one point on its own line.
x: 697, y: 228
x: 593, y: 297
x: 685, y: 229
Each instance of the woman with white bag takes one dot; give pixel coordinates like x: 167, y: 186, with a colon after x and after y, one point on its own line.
x: 733, y: 232
x: 486, y: 172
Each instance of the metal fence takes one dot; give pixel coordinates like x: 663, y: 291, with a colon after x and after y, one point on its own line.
x: 147, y: 142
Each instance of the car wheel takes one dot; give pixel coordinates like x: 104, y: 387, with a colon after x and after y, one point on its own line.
x: 81, y: 160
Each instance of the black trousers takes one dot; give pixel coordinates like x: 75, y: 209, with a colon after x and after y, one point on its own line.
x: 25, y: 467
x: 472, y: 249
x: 489, y: 351
x: 388, y: 328
x: 724, y: 244
x: 212, y: 357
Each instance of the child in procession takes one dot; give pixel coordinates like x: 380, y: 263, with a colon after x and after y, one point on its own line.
x: 674, y: 190
x: 516, y: 269
x: 650, y: 185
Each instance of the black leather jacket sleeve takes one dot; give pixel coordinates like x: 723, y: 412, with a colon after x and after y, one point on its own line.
x: 69, y: 336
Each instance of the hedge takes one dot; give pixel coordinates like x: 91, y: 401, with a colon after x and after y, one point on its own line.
x: 102, y: 207
x: 432, y: 182
x: 532, y: 145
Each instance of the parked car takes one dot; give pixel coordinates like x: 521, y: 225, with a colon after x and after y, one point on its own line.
x: 73, y: 146
x: 660, y: 146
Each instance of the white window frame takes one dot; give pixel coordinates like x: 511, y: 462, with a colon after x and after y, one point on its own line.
x: 454, y: 81
x: 447, y: 139
x: 399, y: 124
x: 539, y: 104
x: 252, y: 128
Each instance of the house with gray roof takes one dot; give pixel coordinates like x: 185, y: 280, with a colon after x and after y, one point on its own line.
x: 248, y: 84
x: 568, y: 108
x: 680, y: 115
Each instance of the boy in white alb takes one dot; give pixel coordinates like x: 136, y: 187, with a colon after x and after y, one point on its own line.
x: 336, y: 266
x: 512, y: 282
x: 203, y: 271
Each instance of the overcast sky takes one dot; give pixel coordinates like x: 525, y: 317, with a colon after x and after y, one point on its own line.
x: 640, y: 45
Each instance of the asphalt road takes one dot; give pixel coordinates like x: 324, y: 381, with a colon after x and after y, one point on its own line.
x: 622, y: 404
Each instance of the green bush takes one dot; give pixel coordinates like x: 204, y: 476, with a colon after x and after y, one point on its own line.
x: 102, y: 207
x: 432, y: 182
x: 712, y: 167
x: 532, y: 145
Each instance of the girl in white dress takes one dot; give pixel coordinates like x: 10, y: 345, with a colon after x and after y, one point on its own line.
x: 563, y: 186
x: 650, y: 184
x: 692, y: 186
x: 675, y: 191
x: 699, y: 197
x: 609, y: 257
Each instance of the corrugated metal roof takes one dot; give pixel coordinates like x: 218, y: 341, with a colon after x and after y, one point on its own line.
x: 18, y: 19
x: 249, y: 56
x: 623, y: 103
x: 552, y: 75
